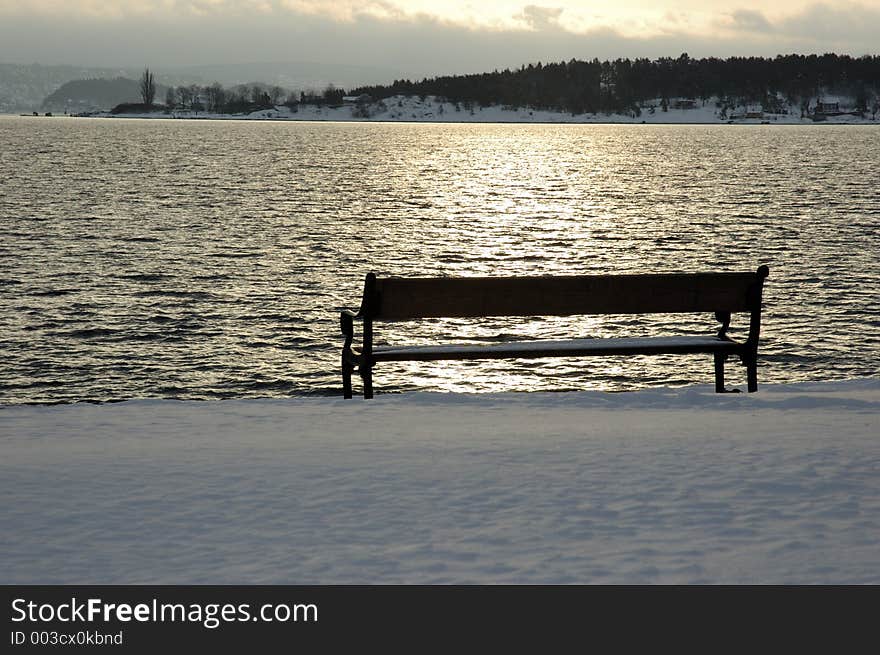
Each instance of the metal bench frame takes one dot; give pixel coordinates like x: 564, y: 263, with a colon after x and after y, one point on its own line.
x: 398, y: 298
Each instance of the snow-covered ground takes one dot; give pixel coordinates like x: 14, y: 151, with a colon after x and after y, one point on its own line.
x: 657, y: 486
x: 414, y: 109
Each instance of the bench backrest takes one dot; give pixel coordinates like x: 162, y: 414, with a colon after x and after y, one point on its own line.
x: 410, y: 298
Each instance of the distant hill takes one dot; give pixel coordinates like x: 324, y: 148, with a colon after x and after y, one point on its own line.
x: 95, y: 94
x: 23, y: 87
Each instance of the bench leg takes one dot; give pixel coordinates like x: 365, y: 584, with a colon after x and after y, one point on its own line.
x: 346, y: 378
x: 367, y: 375
x: 719, y: 372
x: 752, y: 373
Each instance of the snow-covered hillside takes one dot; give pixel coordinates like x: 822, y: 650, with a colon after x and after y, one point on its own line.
x: 430, y: 109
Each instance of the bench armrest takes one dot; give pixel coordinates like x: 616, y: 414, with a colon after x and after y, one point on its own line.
x: 346, y: 324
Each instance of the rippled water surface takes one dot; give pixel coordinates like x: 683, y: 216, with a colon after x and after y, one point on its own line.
x: 189, y: 259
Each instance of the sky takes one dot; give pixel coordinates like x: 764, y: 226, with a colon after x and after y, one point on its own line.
x: 421, y: 37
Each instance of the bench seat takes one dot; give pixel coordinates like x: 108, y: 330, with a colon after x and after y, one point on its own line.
x: 551, y: 348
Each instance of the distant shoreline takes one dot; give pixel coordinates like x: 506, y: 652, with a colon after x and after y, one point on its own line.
x: 410, y: 121
x: 412, y: 109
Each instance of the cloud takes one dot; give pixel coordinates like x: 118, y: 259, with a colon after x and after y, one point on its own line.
x: 345, y: 10
x: 199, y: 32
x: 835, y: 23
x: 123, y: 9
x: 171, y: 10
x: 748, y: 20
x: 846, y: 27
x: 541, y: 18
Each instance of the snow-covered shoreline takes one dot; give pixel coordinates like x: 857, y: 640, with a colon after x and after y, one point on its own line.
x: 411, y: 109
x: 656, y: 486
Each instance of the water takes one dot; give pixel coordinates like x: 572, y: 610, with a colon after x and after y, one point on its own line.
x: 185, y: 259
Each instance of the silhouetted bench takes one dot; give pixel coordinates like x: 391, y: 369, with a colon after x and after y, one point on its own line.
x: 399, y: 299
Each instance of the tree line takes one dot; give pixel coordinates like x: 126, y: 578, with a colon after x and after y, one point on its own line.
x: 625, y: 85
x: 215, y: 98
x: 618, y: 86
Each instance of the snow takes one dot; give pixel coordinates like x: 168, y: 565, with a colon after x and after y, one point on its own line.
x: 431, y: 109
x: 656, y: 486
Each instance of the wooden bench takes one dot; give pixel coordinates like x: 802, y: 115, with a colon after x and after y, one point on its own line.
x: 400, y: 299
